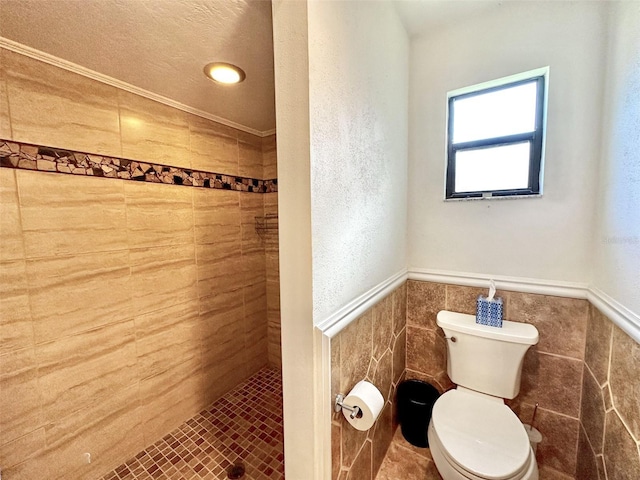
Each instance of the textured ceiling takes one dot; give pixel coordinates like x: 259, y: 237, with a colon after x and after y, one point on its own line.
x: 160, y: 46
x: 421, y: 16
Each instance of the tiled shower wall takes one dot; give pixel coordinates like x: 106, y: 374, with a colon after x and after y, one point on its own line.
x: 127, y: 307
x: 559, y: 373
x: 609, y: 446
x: 372, y: 347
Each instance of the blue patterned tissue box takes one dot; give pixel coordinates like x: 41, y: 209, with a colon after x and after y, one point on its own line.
x: 489, y: 312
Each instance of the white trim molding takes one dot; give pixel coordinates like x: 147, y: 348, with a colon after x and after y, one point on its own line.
x: 624, y: 318
x: 514, y: 284
x: 333, y: 324
x: 114, y: 82
x: 620, y: 315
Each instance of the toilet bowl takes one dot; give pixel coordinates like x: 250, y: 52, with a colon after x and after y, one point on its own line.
x: 473, y: 436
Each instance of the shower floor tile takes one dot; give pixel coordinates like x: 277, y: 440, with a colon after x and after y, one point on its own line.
x: 245, y: 425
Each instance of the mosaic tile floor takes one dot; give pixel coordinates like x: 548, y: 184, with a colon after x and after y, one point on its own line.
x: 245, y: 424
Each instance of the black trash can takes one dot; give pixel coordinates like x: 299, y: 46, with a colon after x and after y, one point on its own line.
x: 415, y: 403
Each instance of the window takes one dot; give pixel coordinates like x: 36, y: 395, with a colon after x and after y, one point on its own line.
x: 495, y: 137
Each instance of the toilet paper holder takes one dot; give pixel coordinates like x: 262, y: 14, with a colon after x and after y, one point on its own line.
x: 339, y: 405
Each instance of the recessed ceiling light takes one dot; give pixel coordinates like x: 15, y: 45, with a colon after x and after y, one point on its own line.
x: 224, y: 73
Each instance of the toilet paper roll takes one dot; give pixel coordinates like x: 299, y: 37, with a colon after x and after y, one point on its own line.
x: 368, y: 398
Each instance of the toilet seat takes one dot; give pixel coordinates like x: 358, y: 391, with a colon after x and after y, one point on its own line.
x: 480, y: 436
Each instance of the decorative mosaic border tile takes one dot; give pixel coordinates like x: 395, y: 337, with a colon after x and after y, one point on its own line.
x: 46, y: 159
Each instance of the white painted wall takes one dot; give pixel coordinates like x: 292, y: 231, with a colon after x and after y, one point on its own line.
x: 617, y: 239
x: 548, y: 238
x: 358, y: 94
x: 341, y: 114
x: 294, y: 210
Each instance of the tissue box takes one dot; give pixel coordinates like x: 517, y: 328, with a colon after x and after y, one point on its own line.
x: 489, y: 312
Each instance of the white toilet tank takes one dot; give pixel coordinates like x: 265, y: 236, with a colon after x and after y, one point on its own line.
x: 486, y: 359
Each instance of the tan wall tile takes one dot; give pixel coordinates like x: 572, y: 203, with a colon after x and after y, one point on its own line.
x: 80, y: 370
x: 158, y: 215
x: 382, y: 377
x: 20, y: 401
x: 162, y: 276
x: 54, y: 107
x: 269, y: 157
x: 10, y: 226
x: 250, y: 155
x: 407, y: 465
x: 399, y: 308
x: 275, y: 348
x: 170, y: 397
x: 558, y: 449
x: 270, y: 202
x: 561, y: 322
x: 361, y: 468
x: 109, y: 429
x: 399, y: 355
x: 251, y: 206
x: 219, y: 272
x: 424, y: 301
x: 426, y: 351
x: 586, y: 467
x: 222, y: 337
x: 441, y: 380
x: 16, y: 328
x: 5, y: 124
x: 382, y: 326
x: 256, y: 327
x: 253, y: 267
x: 621, y: 455
x: 273, y: 285
x: 598, y: 344
x: 381, y: 438
x: 335, y: 451
x: 69, y: 215
x: 217, y: 220
x: 73, y: 294
x: 355, y: 351
x: 554, y: 382
x: 352, y: 442
x: 548, y: 473
x: 624, y: 379
x: 464, y: 299
x: 335, y: 366
x: 214, y: 147
x: 592, y: 410
x: 167, y: 337
x: 152, y: 131
x: 17, y: 457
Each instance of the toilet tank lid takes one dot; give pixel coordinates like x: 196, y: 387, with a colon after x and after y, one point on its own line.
x: 514, y: 332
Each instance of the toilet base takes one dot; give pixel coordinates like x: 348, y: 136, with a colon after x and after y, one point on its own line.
x: 449, y: 472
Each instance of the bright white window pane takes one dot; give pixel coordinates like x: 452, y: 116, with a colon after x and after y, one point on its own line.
x: 495, y: 168
x: 495, y: 114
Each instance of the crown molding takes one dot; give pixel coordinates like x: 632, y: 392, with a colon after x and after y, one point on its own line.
x: 114, y: 82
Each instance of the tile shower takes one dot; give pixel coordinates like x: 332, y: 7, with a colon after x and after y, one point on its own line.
x: 128, y: 306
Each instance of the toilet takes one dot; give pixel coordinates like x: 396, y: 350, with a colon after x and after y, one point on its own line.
x: 472, y: 434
